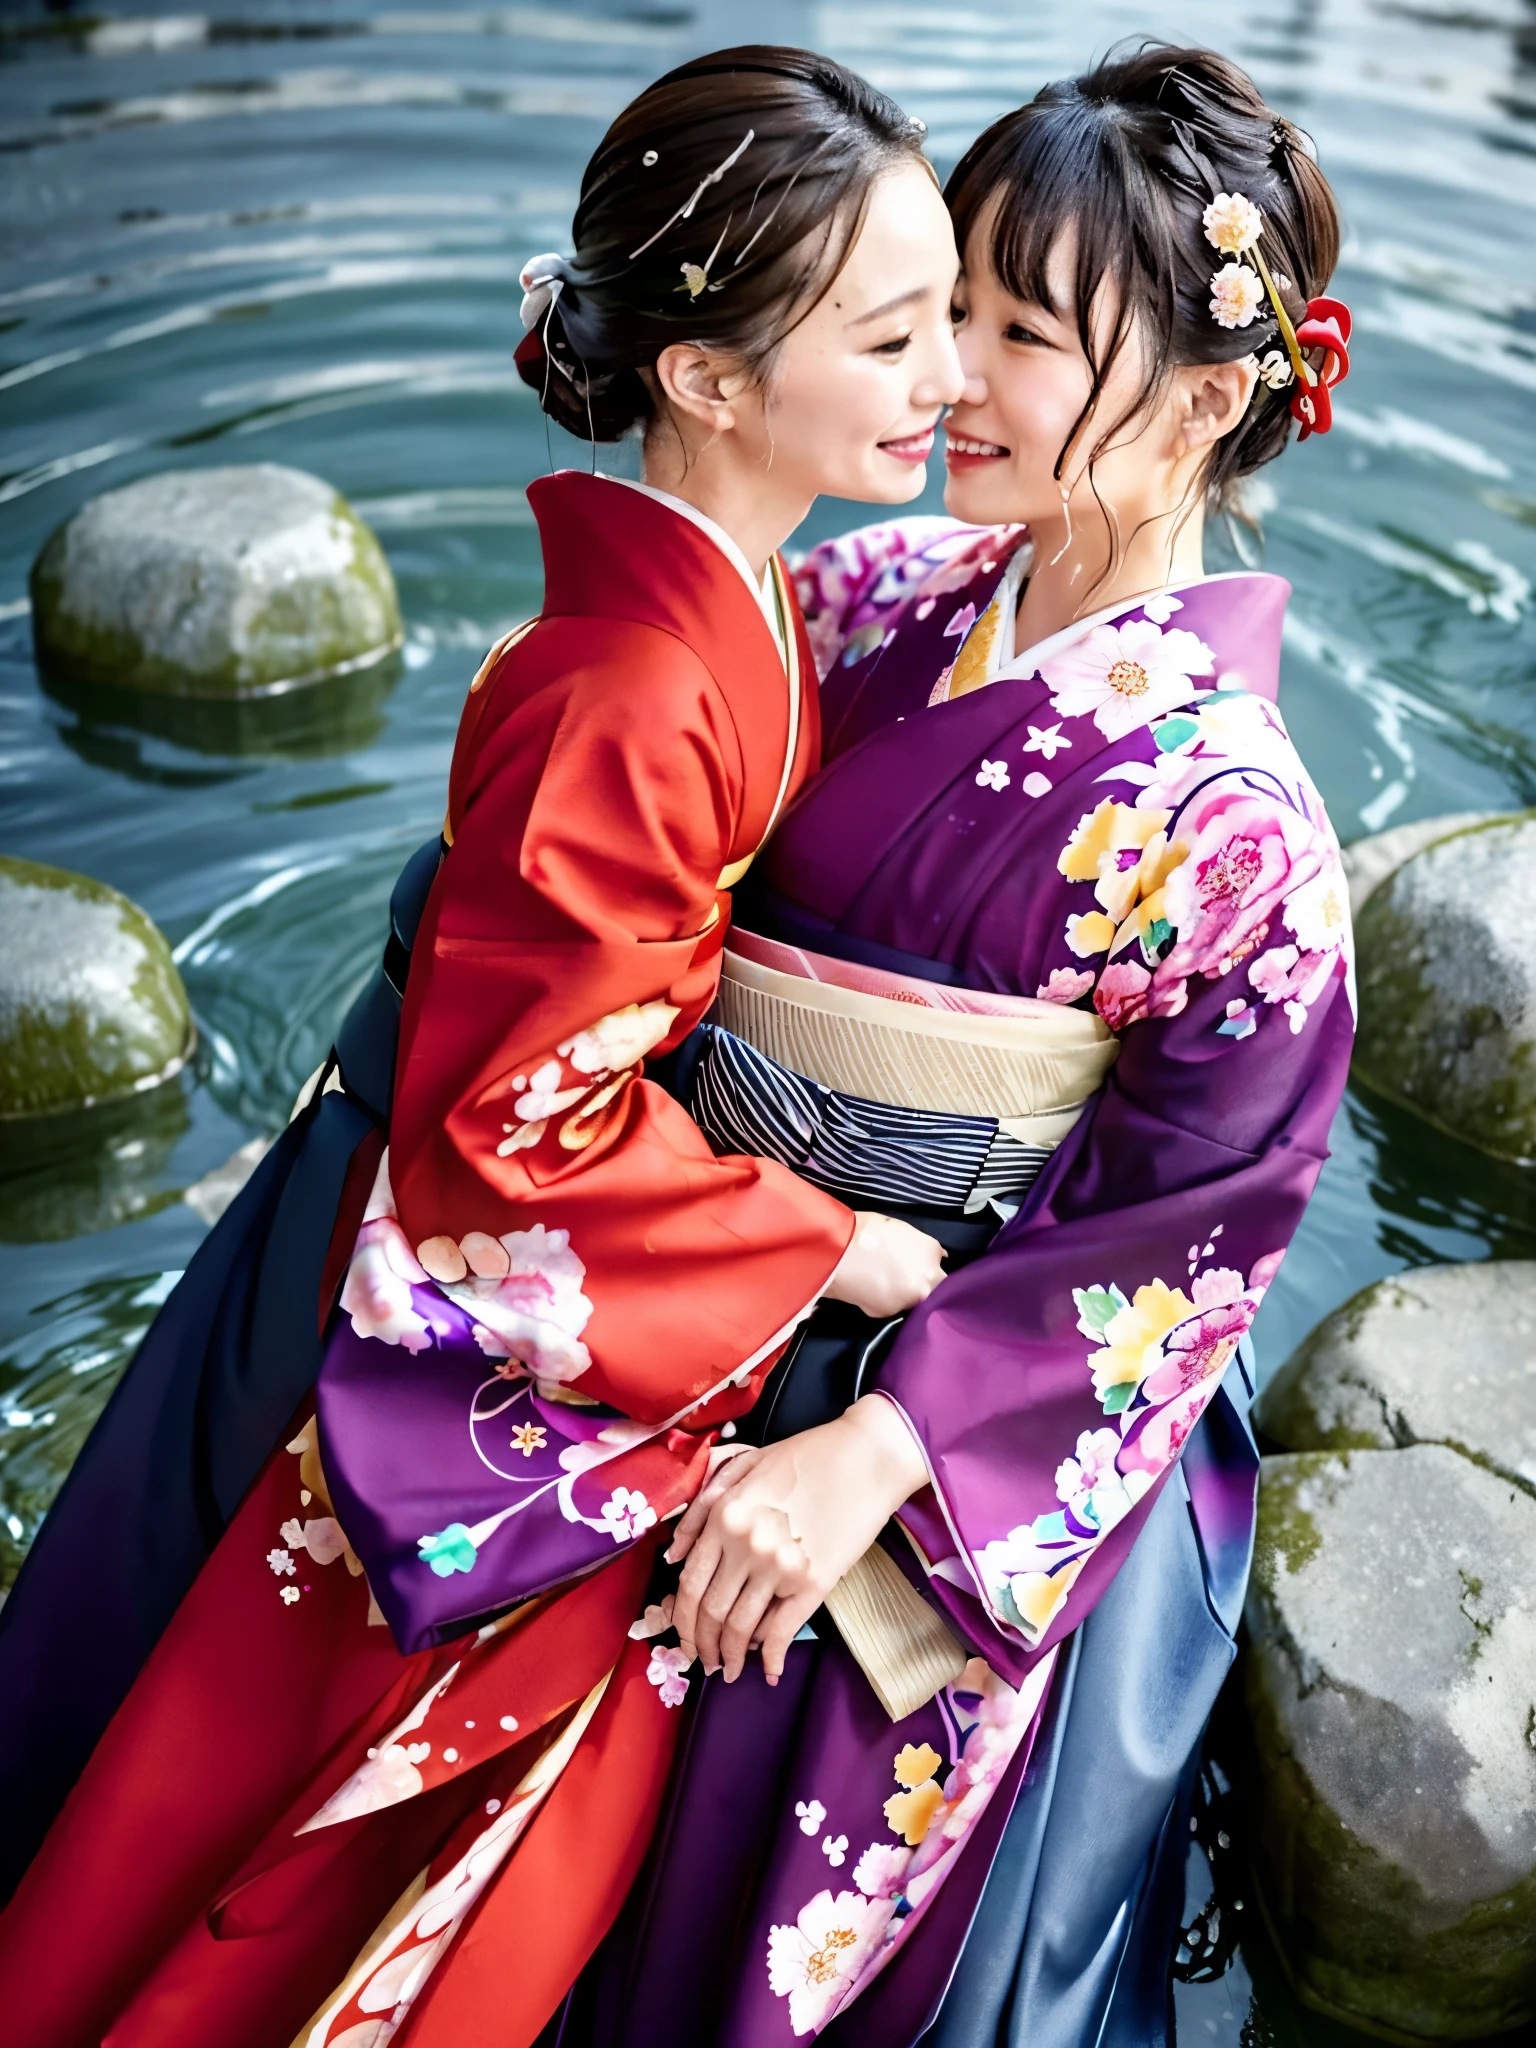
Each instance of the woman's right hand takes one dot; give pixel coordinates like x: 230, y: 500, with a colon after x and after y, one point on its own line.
x: 888, y: 1267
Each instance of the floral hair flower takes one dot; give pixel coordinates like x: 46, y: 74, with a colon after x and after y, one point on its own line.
x: 1237, y: 293
x: 1232, y: 223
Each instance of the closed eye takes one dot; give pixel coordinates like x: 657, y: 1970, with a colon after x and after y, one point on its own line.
x: 895, y: 348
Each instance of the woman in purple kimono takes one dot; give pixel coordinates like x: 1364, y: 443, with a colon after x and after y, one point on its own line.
x: 1053, y: 958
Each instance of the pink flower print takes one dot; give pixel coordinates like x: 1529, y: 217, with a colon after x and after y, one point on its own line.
x: 1217, y: 1287
x: 924, y: 608
x: 1241, y: 1021
x: 1121, y: 996
x: 667, y: 1671
x: 1163, y: 1435
x: 535, y: 1312
x: 1245, y: 855
x: 1125, y: 676
x: 1096, y: 1453
x: 1036, y: 784
x: 322, y: 1537
x: 879, y: 1871
x: 810, y: 1813
x: 655, y: 1621
x: 627, y: 1515
x: 992, y: 775
x: 835, y: 1849
x: 1064, y: 985
x: 1198, y: 1350
x: 281, y: 1563
x: 815, y: 1962
x: 1271, y: 971
x: 377, y: 1293
x: 961, y: 623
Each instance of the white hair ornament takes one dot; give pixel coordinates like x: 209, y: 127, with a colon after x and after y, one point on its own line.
x: 542, y: 279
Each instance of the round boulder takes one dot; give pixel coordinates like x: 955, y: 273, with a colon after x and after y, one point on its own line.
x: 1369, y: 862
x: 1440, y: 1354
x: 221, y: 583
x: 1448, y: 986
x: 91, y: 1005
x: 1390, y: 1677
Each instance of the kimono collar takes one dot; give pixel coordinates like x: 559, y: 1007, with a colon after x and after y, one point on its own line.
x: 764, y: 592
x: 1242, y: 609
x: 613, y: 549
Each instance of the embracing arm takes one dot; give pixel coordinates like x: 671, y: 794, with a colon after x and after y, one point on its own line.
x: 1054, y: 1383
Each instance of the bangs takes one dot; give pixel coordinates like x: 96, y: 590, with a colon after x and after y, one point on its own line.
x: 1060, y: 174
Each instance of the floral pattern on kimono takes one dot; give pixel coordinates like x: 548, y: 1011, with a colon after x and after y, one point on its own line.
x: 1119, y: 821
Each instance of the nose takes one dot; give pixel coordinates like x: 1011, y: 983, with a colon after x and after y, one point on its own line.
x: 946, y: 378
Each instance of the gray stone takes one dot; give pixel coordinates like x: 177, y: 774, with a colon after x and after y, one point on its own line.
x: 214, y: 583
x: 1440, y: 1354
x: 1448, y: 986
x: 91, y: 1005
x: 1368, y: 862
x: 1390, y: 1676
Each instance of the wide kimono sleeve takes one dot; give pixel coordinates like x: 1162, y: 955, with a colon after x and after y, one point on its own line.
x: 1054, y: 1383
x: 575, y: 928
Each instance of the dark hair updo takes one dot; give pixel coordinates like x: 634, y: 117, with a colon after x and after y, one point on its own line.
x: 666, y: 252
x: 1127, y: 158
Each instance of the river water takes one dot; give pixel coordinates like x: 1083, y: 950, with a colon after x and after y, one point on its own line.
x: 291, y: 233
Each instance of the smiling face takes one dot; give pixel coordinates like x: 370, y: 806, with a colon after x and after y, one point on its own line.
x: 855, y: 392
x: 1032, y: 440
x: 1028, y: 380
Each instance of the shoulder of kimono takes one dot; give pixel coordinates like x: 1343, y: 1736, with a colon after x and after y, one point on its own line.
x: 584, y: 682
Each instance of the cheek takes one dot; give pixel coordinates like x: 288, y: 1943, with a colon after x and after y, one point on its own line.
x: 830, y: 412
x: 1041, y: 402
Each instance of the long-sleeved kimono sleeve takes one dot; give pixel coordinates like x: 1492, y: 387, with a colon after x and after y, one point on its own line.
x: 1054, y: 1383
x: 574, y: 929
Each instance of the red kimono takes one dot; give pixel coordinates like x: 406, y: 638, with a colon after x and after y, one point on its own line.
x: 619, y: 762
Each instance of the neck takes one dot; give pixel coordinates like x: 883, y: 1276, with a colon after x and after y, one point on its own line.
x: 756, y: 510
x: 1077, y: 571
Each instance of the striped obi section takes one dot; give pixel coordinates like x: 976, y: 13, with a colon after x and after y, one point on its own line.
x: 858, y: 1150
x: 881, y: 1088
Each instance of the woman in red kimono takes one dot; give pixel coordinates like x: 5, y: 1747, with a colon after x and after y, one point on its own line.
x: 762, y: 282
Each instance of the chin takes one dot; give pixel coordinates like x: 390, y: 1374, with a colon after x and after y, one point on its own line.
x: 980, y: 499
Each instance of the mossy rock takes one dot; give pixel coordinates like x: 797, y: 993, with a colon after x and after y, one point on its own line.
x: 215, y: 583
x: 1370, y: 862
x: 1448, y: 986
x: 1390, y: 1679
x: 91, y: 1005
x: 1439, y: 1354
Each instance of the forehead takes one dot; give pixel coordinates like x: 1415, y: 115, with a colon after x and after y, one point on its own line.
x: 905, y: 228
x: 1028, y: 253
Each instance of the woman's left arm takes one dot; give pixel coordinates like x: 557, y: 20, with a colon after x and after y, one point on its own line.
x: 1054, y: 1383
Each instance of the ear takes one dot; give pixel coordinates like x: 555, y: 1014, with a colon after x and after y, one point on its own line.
x: 1213, y: 399
x: 700, y: 385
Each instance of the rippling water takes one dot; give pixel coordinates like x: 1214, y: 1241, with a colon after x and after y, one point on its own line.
x: 291, y: 232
